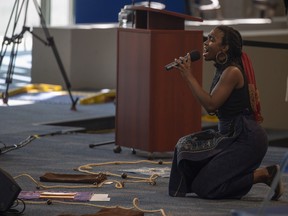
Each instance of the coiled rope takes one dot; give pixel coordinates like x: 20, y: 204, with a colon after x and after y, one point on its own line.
x: 135, y: 205
x: 128, y: 178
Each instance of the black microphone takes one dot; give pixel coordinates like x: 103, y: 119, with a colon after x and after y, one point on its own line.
x: 194, y: 55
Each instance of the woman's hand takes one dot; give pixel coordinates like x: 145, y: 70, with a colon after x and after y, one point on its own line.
x: 184, y: 65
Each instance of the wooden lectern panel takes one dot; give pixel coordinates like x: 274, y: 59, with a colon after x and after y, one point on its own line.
x: 155, y: 107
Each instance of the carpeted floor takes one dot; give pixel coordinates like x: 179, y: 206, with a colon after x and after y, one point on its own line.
x: 68, y: 148
x: 38, y: 143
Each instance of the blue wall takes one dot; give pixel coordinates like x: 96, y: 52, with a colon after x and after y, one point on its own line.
x: 106, y: 11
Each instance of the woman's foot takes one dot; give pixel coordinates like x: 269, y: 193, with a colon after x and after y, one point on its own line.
x: 279, y: 190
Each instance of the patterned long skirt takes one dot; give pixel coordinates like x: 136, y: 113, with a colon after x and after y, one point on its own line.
x: 217, y: 166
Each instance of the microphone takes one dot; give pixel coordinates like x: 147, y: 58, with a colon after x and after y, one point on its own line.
x: 194, y: 55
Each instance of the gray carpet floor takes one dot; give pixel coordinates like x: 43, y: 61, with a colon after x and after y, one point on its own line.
x: 62, y: 153
x: 62, y: 148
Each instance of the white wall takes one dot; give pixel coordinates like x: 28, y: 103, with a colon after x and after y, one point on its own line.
x: 88, y: 55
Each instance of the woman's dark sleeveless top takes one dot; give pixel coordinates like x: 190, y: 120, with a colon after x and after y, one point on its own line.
x: 237, y: 103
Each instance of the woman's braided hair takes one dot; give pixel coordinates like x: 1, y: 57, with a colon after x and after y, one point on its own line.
x: 233, y: 39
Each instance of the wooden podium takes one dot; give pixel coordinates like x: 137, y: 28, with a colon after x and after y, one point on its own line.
x: 155, y: 107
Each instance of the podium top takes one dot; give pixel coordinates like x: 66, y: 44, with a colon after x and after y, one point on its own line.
x: 151, y: 18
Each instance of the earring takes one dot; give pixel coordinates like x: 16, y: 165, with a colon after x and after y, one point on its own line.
x: 221, y: 58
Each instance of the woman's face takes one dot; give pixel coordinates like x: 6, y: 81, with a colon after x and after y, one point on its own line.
x: 213, y: 45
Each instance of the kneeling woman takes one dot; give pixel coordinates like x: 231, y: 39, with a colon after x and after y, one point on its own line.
x: 224, y: 163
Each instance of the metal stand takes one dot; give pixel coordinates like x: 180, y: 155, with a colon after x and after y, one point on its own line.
x: 16, y: 39
x: 117, y: 149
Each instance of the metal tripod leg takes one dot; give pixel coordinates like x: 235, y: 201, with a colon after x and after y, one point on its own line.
x: 117, y: 149
x: 16, y: 39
